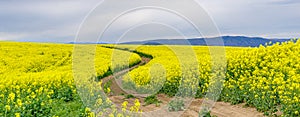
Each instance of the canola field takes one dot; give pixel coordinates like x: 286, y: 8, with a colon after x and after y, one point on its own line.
x: 37, y: 79
x: 267, y: 77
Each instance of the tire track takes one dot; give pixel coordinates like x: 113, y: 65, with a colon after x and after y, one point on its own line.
x: 116, y: 78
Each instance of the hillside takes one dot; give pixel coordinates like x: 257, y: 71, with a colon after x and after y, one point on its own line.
x: 228, y: 41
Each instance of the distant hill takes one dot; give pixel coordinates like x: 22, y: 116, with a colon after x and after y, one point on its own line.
x: 87, y: 43
x: 228, y: 41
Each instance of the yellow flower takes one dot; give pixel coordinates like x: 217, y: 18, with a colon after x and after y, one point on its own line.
x: 42, y: 104
x: 17, y: 115
x: 111, y: 115
x: 137, y: 105
x: 7, y: 107
x: 2, y: 96
x: 108, y: 90
x: 124, y: 106
x: 11, y: 96
x: 19, y: 102
x: 99, y: 101
x: 120, y: 115
x: 87, y: 110
x: 108, y: 101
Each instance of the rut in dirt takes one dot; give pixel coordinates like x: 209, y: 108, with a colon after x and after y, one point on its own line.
x: 116, y: 77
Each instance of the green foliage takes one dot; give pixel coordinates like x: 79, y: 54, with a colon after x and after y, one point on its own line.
x: 176, y: 105
x: 151, y: 100
x: 205, y: 113
x: 129, y: 96
x: 106, y: 86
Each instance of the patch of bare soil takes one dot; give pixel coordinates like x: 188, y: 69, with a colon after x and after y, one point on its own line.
x: 116, y: 87
x: 220, y: 109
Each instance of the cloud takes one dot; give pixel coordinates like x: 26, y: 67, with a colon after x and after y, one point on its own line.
x: 284, y: 2
x: 148, y: 24
x: 11, y: 36
x: 45, y: 20
x: 58, y: 21
x: 255, y: 17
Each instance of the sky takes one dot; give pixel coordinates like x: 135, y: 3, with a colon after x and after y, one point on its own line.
x: 60, y: 20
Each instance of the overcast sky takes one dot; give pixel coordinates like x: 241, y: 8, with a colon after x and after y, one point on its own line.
x: 59, y: 20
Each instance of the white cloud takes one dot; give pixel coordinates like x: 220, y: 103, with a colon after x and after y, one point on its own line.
x: 255, y: 17
x: 43, y: 20
x: 56, y: 20
x: 11, y: 36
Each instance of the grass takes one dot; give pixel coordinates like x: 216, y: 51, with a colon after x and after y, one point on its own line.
x: 152, y: 100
